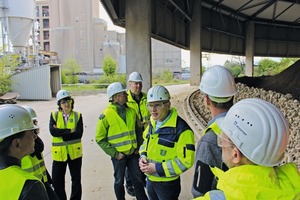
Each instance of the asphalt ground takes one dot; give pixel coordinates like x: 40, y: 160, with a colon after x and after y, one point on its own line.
x: 97, y: 170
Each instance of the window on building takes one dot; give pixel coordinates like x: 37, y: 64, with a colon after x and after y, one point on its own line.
x: 46, y: 35
x: 38, y: 35
x: 45, y: 23
x: 45, y: 10
x: 37, y: 11
x: 46, y: 46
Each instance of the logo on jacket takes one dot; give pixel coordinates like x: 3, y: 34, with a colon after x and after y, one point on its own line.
x: 163, y: 152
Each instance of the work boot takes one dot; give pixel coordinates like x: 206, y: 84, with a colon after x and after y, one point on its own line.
x: 130, y: 190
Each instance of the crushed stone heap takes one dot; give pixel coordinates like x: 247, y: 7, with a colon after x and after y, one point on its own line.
x: 286, y: 82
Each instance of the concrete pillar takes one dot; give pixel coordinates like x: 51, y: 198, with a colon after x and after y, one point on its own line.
x: 195, y: 45
x: 138, y: 39
x: 249, y: 49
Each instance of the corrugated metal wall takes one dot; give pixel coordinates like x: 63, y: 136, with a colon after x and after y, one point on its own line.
x: 37, y: 83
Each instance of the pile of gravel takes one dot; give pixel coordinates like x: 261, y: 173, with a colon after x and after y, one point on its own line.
x: 285, y: 102
x: 286, y: 82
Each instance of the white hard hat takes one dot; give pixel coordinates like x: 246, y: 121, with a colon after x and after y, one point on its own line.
x: 158, y: 93
x: 31, y: 112
x: 14, y: 119
x: 135, y: 77
x: 258, y: 129
x: 217, y: 81
x: 115, y: 88
x: 61, y: 94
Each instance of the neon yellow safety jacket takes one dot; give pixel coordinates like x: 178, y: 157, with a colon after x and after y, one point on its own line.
x: 60, y: 148
x: 141, y: 108
x: 9, y: 190
x: 35, y: 166
x: 252, y: 182
x: 113, y: 135
x: 171, y: 148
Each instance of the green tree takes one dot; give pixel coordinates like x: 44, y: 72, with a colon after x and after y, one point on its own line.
x: 8, y: 63
x: 109, y: 66
x: 234, y: 66
x: 285, y: 63
x: 70, y: 70
x: 267, y: 67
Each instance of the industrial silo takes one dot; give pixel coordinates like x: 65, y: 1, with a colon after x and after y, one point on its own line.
x: 17, y: 18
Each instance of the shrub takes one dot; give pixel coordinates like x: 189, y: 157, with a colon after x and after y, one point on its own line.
x: 109, y: 66
x: 8, y: 64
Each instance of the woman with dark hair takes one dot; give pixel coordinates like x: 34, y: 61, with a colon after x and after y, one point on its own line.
x: 17, y: 136
x: 66, y: 127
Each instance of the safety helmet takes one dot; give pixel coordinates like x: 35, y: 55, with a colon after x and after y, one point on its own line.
x: 258, y: 129
x: 115, y: 88
x: 217, y: 81
x: 158, y: 93
x: 14, y: 119
x: 31, y: 112
x: 135, y: 77
x: 61, y: 94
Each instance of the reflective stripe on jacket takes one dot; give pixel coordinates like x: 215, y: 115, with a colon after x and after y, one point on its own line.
x: 171, y: 147
x: 60, y: 148
x: 249, y: 182
x: 35, y: 166
x: 11, y: 189
x: 141, y: 108
x: 113, y: 135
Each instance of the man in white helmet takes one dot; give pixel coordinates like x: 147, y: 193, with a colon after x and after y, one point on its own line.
x: 218, y: 86
x: 168, y: 149
x: 116, y: 135
x: 138, y: 101
x: 254, y: 136
x: 66, y: 128
x: 17, y: 135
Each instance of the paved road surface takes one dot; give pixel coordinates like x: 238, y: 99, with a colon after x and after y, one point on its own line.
x: 97, y: 172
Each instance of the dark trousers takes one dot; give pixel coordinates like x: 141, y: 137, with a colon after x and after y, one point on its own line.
x: 51, y: 194
x: 131, y: 162
x: 58, y: 177
x: 128, y: 179
x: 163, y: 190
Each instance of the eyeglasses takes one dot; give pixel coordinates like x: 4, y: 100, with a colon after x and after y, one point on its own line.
x: 156, y: 106
x: 65, y: 101
x: 224, y: 142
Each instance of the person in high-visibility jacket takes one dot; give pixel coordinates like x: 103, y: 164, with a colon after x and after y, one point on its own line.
x: 138, y: 101
x: 17, y: 136
x: 218, y: 88
x: 116, y: 135
x: 34, y: 163
x: 254, y: 136
x: 66, y: 127
x: 168, y: 148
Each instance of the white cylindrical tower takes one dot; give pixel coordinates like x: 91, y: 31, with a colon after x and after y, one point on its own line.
x: 17, y: 17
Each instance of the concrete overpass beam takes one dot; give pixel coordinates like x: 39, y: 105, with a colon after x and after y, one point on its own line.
x: 138, y: 39
x: 195, y: 45
x: 250, y: 49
